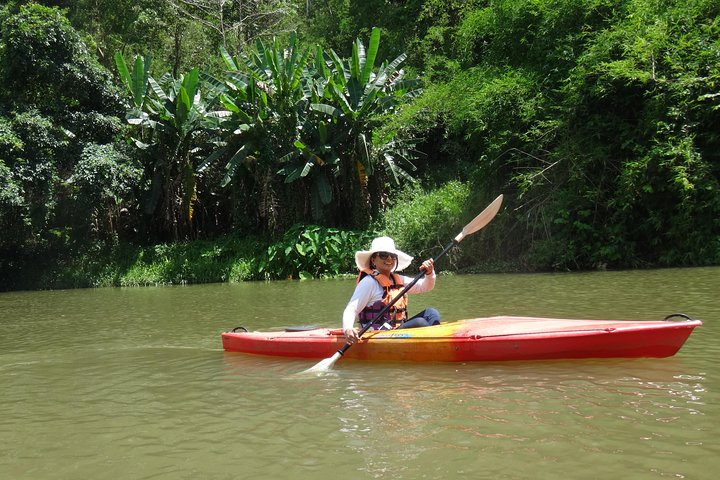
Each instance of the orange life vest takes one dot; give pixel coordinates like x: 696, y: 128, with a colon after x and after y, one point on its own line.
x: 392, y: 287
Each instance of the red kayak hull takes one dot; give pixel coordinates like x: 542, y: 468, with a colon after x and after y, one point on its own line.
x: 492, y: 339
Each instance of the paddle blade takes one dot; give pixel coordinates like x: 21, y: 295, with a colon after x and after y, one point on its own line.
x: 324, y: 365
x: 482, y: 219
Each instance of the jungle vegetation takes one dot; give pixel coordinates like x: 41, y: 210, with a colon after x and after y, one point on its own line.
x: 182, y: 141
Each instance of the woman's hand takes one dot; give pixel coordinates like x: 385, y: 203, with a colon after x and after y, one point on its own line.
x: 428, y: 266
x: 351, y: 336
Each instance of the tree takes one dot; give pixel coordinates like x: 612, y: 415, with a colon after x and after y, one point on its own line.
x: 55, y: 97
x: 239, y: 22
x: 348, y: 100
x: 264, y: 94
x: 169, y: 116
x: 312, y: 123
x: 148, y: 27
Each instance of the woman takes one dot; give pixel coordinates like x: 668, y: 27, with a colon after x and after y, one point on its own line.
x: 378, y: 285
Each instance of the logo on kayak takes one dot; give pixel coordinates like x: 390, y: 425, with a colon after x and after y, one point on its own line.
x: 393, y: 335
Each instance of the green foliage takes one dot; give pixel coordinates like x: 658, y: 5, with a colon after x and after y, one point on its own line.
x: 602, y: 119
x: 423, y: 222
x: 189, y: 262
x: 308, y: 251
x: 337, y: 23
x: 468, y: 125
x: 45, y: 63
x: 154, y: 27
x: 41, y: 42
x: 103, y: 184
x: 170, y: 117
x: 10, y: 191
x: 532, y: 34
x: 348, y: 99
x: 310, y: 120
x: 31, y: 141
x: 103, y: 174
x: 225, y: 259
x: 12, y: 209
x: 644, y: 189
x: 54, y: 98
x: 262, y: 95
x: 598, y: 119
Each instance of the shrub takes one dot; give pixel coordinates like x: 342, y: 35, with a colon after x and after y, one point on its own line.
x: 424, y: 222
x: 307, y: 251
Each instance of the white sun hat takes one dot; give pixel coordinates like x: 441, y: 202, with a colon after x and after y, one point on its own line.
x: 382, y: 244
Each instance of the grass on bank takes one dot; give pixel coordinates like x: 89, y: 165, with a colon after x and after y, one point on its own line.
x: 226, y: 259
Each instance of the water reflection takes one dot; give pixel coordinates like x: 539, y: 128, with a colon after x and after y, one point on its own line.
x: 396, y: 422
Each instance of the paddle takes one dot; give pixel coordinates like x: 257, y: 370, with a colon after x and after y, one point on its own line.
x: 476, y: 224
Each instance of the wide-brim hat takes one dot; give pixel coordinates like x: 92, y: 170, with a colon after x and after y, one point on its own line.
x: 382, y: 244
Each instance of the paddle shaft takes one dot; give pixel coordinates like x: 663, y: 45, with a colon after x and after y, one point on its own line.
x: 397, y: 297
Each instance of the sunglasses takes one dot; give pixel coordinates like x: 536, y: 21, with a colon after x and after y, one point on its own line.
x: 385, y: 255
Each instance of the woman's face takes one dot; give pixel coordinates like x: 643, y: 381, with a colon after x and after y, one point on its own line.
x: 384, y: 262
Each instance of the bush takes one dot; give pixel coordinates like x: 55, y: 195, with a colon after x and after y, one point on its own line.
x: 422, y: 223
x: 126, y: 265
x: 308, y: 251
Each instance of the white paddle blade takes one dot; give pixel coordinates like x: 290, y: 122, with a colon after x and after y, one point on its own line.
x: 324, y: 365
x: 482, y: 219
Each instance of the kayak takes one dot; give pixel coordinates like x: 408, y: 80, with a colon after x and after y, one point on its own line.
x: 491, y: 339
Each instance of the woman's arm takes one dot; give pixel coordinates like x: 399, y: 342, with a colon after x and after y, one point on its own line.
x: 426, y: 283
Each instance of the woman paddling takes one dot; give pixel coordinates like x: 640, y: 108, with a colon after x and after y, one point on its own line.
x: 378, y: 285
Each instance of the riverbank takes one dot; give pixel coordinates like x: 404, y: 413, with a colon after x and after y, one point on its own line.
x: 304, y: 252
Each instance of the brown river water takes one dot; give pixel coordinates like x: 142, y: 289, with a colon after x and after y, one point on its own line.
x: 134, y: 384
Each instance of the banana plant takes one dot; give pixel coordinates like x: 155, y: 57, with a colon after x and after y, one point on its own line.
x: 307, y: 118
x: 347, y: 98
x: 136, y: 82
x: 356, y: 94
x: 173, y: 116
x: 263, y: 94
x: 319, y: 164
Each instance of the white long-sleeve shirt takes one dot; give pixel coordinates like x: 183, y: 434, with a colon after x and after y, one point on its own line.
x: 369, y: 291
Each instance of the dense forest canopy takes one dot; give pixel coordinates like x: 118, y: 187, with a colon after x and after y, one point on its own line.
x: 299, y: 128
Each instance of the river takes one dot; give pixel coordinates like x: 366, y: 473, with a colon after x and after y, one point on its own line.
x: 133, y: 383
